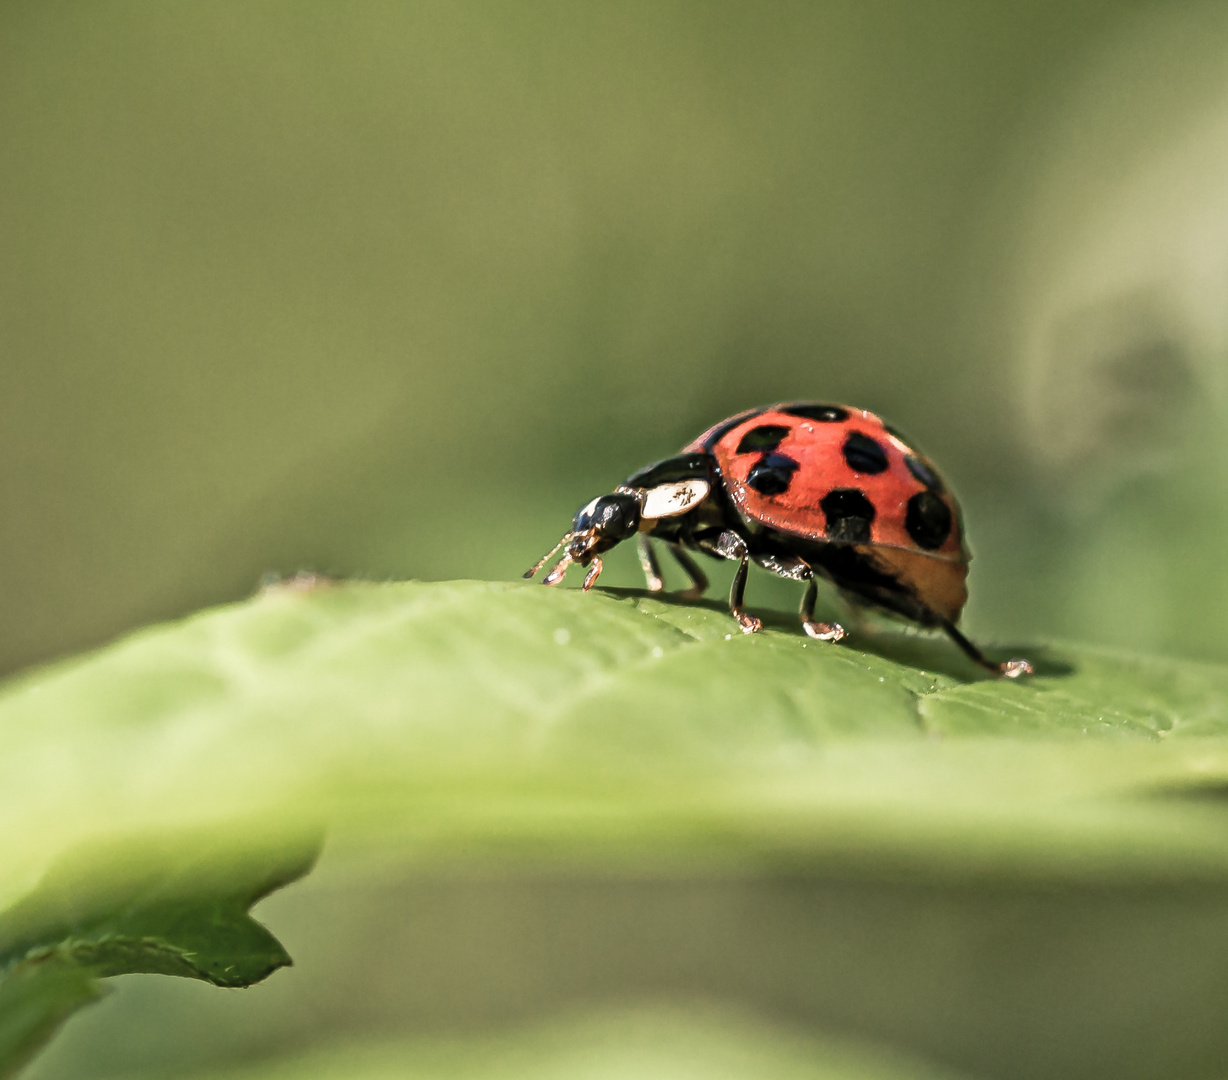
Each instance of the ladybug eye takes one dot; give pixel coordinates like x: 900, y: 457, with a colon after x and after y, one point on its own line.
x: 615, y: 516
x: 584, y: 516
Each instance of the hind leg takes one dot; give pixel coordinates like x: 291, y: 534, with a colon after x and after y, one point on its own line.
x: 1009, y: 669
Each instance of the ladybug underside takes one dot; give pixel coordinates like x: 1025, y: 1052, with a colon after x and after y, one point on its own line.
x: 806, y: 491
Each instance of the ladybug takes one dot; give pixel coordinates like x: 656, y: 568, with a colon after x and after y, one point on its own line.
x: 807, y: 491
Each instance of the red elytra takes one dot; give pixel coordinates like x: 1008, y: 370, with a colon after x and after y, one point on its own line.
x: 806, y: 490
x: 822, y: 467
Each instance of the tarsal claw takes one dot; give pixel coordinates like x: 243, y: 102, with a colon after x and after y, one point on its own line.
x: 560, y: 568
x: 591, y: 576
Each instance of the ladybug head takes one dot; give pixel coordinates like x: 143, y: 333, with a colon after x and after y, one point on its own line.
x: 598, y: 526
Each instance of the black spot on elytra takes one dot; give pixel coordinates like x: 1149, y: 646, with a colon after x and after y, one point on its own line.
x: 928, y: 520
x: 808, y: 410
x: 725, y: 427
x: 772, y: 474
x: 765, y: 437
x: 924, y: 473
x: 864, y: 455
x: 849, y: 514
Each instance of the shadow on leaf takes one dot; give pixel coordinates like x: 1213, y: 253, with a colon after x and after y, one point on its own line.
x: 926, y: 650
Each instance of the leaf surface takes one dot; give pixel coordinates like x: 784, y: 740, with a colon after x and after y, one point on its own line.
x: 509, y: 717
x: 175, y: 905
x: 501, y: 724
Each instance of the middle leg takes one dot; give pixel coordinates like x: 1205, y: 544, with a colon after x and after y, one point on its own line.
x: 796, y: 568
x: 821, y: 631
x: 729, y: 545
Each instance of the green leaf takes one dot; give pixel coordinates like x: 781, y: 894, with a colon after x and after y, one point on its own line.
x: 174, y: 905
x: 35, y: 1000
x: 609, y: 725
x: 497, y: 724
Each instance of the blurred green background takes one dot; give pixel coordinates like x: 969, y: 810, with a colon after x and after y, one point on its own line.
x: 388, y: 289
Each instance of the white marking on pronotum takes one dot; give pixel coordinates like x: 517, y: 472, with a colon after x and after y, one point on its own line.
x: 669, y: 500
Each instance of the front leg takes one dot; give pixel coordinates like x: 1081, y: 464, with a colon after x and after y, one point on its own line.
x: 649, y: 564
x: 699, y: 580
x: 729, y: 545
x: 652, y: 569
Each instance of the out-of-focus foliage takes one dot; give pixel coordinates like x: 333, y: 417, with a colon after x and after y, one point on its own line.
x: 172, y: 906
x: 538, y: 798
x: 663, y: 1043
x: 389, y: 290
x: 1105, y: 303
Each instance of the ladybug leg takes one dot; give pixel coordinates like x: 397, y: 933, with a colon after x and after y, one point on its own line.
x: 560, y: 568
x: 729, y: 545
x: 594, y: 572
x: 797, y: 569
x: 652, y: 569
x: 748, y: 623
x: 822, y: 631
x: 649, y: 564
x: 1009, y: 669
x: 699, y: 580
